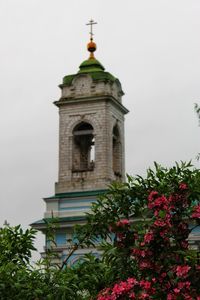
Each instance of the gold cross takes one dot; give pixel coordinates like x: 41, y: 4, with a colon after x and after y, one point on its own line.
x: 91, y: 23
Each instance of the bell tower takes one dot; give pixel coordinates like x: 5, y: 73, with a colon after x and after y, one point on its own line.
x: 91, y: 134
x: 91, y: 143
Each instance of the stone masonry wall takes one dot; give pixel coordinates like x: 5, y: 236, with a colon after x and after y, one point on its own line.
x: 98, y: 104
x: 103, y: 116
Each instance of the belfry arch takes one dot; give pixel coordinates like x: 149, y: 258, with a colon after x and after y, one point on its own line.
x: 116, y: 152
x: 83, y: 150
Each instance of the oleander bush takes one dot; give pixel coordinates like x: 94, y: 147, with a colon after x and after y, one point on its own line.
x: 140, y: 229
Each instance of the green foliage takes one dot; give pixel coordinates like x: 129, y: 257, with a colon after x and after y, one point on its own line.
x: 16, y: 245
x: 19, y: 279
x: 129, y: 200
x: 114, y: 225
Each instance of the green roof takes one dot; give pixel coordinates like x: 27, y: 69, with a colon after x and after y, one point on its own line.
x: 68, y: 79
x: 78, y: 194
x: 58, y: 220
x: 92, y: 67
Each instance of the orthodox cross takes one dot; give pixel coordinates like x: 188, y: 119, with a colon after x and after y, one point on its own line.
x: 91, y: 23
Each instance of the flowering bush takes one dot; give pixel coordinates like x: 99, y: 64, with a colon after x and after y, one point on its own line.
x: 149, y: 222
x: 143, y: 226
x: 160, y: 251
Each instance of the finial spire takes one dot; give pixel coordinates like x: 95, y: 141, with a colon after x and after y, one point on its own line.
x: 91, y: 23
x: 91, y: 46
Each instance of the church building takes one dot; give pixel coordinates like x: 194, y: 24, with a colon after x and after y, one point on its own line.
x: 91, y: 147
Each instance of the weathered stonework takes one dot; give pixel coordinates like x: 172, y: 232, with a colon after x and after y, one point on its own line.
x: 84, y: 86
x: 98, y: 104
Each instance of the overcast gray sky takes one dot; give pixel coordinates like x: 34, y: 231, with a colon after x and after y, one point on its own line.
x: 153, y: 47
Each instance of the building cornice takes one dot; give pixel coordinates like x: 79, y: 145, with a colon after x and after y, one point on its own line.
x: 107, y: 98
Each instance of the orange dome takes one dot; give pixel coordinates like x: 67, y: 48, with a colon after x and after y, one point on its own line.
x: 91, y: 46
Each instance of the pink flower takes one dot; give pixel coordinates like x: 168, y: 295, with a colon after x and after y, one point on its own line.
x: 145, y: 284
x: 183, y: 186
x: 182, y: 285
x: 148, y: 237
x: 163, y: 233
x: 196, y: 212
x: 176, y: 291
x: 144, y: 296
x: 160, y: 223
x: 152, y: 196
x: 105, y: 295
x: 122, y: 223
x: 119, y: 288
x: 132, y: 296
x: 164, y: 274
x: 145, y: 265
x: 132, y: 281
x: 161, y: 201
x: 122, y: 287
x: 182, y: 271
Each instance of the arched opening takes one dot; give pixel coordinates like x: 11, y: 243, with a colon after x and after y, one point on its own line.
x: 83, y: 147
x: 117, y: 152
